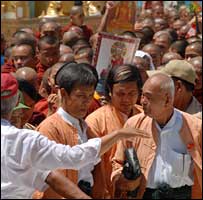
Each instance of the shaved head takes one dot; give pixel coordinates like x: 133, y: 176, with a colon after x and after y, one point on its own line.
x: 162, y: 83
x: 193, y: 50
x: 28, y: 74
x: 158, y: 97
x: 76, y: 10
x: 170, y: 56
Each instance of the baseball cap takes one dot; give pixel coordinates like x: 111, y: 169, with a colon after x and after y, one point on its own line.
x: 21, y: 102
x: 9, y: 85
x: 180, y: 69
x: 177, y: 68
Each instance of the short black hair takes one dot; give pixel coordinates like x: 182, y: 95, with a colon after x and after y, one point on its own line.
x: 25, y: 86
x: 148, y: 34
x: 52, y: 40
x: 122, y: 74
x: 180, y: 46
x: 72, y: 74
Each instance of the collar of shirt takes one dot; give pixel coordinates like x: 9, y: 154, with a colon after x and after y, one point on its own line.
x: 194, y: 106
x: 80, y: 125
x: 171, y: 123
x: 5, y: 122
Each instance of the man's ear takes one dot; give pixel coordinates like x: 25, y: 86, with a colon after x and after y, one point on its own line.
x: 63, y: 92
x: 178, y: 86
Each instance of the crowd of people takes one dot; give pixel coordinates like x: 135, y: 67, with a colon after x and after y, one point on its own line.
x: 65, y: 128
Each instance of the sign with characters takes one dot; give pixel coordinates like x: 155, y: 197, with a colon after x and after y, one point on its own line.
x: 113, y: 50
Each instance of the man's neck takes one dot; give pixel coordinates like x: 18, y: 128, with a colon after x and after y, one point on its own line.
x: 183, y: 103
x: 164, y: 120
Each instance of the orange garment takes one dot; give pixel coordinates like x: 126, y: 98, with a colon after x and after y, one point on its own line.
x: 191, y: 133
x: 40, y: 112
x: 40, y: 71
x: 8, y: 67
x: 55, y: 128
x: 86, y: 30
x: 103, y: 121
x: 95, y: 104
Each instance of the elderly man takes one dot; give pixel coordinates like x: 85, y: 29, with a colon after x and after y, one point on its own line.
x: 171, y: 160
x: 184, y: 77
x: 27, y: 157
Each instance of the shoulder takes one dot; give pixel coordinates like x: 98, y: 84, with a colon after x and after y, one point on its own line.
x: 50, y: 122
x: 191, y: 120
x: 100, y: 112
x: 138, y: 119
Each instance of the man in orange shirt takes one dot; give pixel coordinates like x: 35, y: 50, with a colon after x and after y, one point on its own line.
x: 172, y: 156
x: 76, y: 84
x: 124, y: 86
x: 48, y: 55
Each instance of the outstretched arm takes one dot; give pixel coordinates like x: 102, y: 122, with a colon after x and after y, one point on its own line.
x: 109, y: 6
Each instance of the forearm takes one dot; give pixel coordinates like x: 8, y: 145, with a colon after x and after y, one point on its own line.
x: 108, y: 141
x: 65, y: 187
x: 103, y: 24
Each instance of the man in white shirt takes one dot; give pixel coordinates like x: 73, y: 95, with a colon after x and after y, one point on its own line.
x: 27, y: 157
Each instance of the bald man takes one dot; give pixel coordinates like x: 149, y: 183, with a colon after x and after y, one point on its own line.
x: 163, y: 41
x: 167, y: 159
x: 51, y: 28
x: 68, y: 57
x: 28, y: 74
x: 197, y: 64
x: 170, y: 56
x: 158, y: 11
x: 160, y: 24
x: 193, y: 50
x: 70, y: 38
x: 77, y: 19
x: 24, y: 55
x: 155, y: 52
x: 64, y: 49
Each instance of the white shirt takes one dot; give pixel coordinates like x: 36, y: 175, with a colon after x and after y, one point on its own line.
x: 172, y: 163
x: 81, y: 126
x: 27, y: 157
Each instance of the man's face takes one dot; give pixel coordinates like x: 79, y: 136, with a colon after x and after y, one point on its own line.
x: 49, y: 30
x: 79, y: 100
x: 158, y: 12
x: 124, y: 96
x: 152, y: 100
x: 49, y: 54
x: 163, y: 42
x: 78, y: 19
x: 156, y: 56
x: 191, y: 52
x: 23, y: 57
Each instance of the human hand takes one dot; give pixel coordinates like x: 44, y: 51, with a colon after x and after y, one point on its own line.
x: 132, y: 132
x: 52, y: 103
x: 124, y: 184
x: 110, y: 5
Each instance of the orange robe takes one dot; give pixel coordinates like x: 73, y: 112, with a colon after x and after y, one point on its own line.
x: 191, y: 133
x: 101, y: 122
x: 55, y: 128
